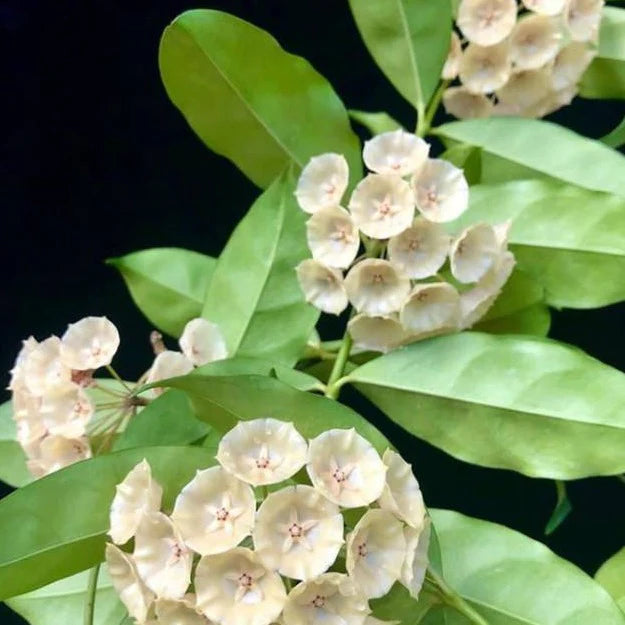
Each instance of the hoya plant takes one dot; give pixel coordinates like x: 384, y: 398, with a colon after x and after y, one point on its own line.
x: 229, y: 482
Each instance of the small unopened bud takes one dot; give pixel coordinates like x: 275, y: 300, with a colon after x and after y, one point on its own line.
x: 156, y: 340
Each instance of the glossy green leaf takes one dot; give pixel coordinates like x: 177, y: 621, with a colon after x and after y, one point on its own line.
x: 611, y: 576
x: 248, y: 99
x: 63, y: 602
x: 510, y: 579
x: 167, y: 284
x: 514, y: 139
x: 254, y: 295
x: 616, y: 138
x: 222, y: 401
x: 605, y: 78
x: 168, y: 420
x: 375, y: 123
x: 57, y: 524
x: 519, y: 309
x: 570, y: 240
x: 528, y: 404
x: 561, y: 511
x: 13, y: 469
x: 409, y: 41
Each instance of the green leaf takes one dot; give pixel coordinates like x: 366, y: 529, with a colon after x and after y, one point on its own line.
x: 529, y: 404
x: 515, y: 139
x: 570, y: 240
x: 222, y: 401
x: 13, y: 469
x: 518, y: 309
x: 616, y: 138
x: 248, y: 99
x: 56, y: 526
x: 468, y: 158
x: 511, y: 579
x: 375, y: 123
x: 561, y: 511
x: 605, y: 78
x: 63, y: 602
x: 256, y: 366
x: 611, y: 576
x: 168, y: 420
x: 167, y: 284
x: 254, y: 295
x: 409, y: 41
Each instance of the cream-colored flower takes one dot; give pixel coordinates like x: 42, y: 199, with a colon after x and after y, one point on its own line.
x: 322, y: 286
x: 452, y: 63
x: 484, y: 69
x: 344, y: 467
x: 376, y: 287
x: 89, y: 343
x: 298, y: 532
x: 262, y: 451
x: 332, y: 237
x: 583, y: 18
x: 214, y: 511
x: 441, y: 190
x: 330, y: 599
x: 402, y: 495
x: 136, y: 495
x: 371, y: 620
x: 375, y: 551
x: 162, y: 558
x: 168, y: 364
x: 555, y: 100
x: 545, y: 7
x: 17, y: 373
x: 486, y: 22
x: 43, y: 369
x: 525, y: 90
x: 382, y: 205
x: 29, y: 426
x: 133, y: 593
x: 180, y: 612
x: 570, y: 64
x: 379, y: 334
x: 202, y: 342
x: 322, y: 182
x: 535, y: 42
x: 57, y: 452
x: 476, y: 301
x: 431, y: 308
x: 461, y: 103
x: 396, y: 153
x: 66, y: 411
x: 234, y: 588
x: 416, y: 562
x: 473, y: 252
x: 421, y: 250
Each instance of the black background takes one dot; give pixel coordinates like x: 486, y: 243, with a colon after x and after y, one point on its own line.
x: 97, y: 163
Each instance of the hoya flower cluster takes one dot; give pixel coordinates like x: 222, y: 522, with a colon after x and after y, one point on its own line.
x: 524, y: 60
x: 399, y: 210
x: 219, y: 558
x: 51, y: 379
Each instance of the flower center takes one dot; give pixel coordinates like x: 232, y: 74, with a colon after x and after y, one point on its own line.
x: 329, y: 189
x: 362, y: 549
x: 296, y: 530
x: 222, y: 514
x: 245, y: 580
x: 339, y: 475
x: 318, y: 602
x: 377, y: 278
x: 414, y: 244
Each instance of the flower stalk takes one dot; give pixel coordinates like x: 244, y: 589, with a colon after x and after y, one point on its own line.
x: 91, y: 590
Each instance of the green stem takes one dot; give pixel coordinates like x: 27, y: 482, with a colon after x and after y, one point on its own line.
x: 91, y: 589
x: 117, y: 377
x: 421, y: 128
x: 432, y: 108
x: 453, y: 599
x: 332, y: 388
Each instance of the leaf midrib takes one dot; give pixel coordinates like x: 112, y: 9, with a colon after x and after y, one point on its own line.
x: 238, y: 93
x: 414, y: 65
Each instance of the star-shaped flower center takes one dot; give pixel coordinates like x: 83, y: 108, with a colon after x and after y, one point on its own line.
x: 225, y: 515
x: 265, y: 461
x: 337, y: 478
x: 246, y: 580
x: 177, y: 552
x: 296, y: 531
x: 318, y: 601
x: 384, y: 208
x: 361, y: 549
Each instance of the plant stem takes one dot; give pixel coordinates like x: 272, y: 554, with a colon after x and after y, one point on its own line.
x: 117, y: 377
x: 332, y: 388
x: 91, y: 590
x: 432, y: 108
x: 453, y: 599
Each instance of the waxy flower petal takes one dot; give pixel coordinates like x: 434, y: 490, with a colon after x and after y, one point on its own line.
x: 452, y: 63
x: 484, y: 69
x: 570, y: 64
x: 214, y: 511
x: 416, y: 562
x: 379, y: 334
x: 322, y: 286
x: 344, y: 467
x: 322, y: 182
x: 202, y: 342
x: 535, y: 42
x: 473, y: 252
x: 332, y: 237
x: 441, y: 191
x: 298, y: 532
x: 89, y: 343
x: 168, y: 364
x: 545, y: 7
x: 182, y: 612
x: 43, y: 370
x: 486, y: 22
x: 461, y: 103
x: 396, y: 153
x: 262, y: 451
x: 431, y: 308
x: 582, y: 18
x: 66, y: 411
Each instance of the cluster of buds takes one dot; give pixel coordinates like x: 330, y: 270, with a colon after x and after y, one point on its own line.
x: 522, y: 60
x: 287, y: 561
x: 397, y: 213
x: 52, y: 379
